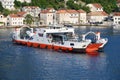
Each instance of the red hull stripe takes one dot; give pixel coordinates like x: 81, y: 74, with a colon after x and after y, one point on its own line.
x: 93, y: 47
x: 43, y: 46
x: 29, y: 44
x: 35, y: 45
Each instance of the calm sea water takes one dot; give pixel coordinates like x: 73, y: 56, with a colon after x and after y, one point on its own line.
x: 26, y: 63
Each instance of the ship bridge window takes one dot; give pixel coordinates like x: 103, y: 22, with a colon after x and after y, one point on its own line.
x: 71, y: 44
x: 40, y: 35
x: 56, y: 27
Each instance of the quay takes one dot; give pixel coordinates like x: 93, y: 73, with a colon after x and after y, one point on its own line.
x: 74, y: 25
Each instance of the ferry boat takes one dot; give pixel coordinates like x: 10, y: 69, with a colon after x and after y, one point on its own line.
x: 57, y: 37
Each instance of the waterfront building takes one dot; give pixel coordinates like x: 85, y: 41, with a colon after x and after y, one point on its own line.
x: 16, y: 19
x: 97, y: 13
x: 62, y: 16
x: 116, y: 18
x: 118, y: 3
x: 28, y: 1
x: 82, y: 16
x: 8, y: 4
x: 97, y: 16
x: 3, y: 20
x: 73, y: 15
x: 48, y: 16
x: 32, y: 10
x: 67, y: 16
x: 95, y: 7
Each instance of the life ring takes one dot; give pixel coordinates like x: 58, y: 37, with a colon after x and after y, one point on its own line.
x: 16, y: 29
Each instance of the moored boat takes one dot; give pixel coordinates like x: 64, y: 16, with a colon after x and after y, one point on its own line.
x: 57, y: 37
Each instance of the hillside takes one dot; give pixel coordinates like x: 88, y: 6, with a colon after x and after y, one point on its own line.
x: 109, y: 5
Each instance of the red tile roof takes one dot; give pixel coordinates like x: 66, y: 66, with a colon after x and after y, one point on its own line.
x: 118, y: 1
x: 116, y: 13
x: 14, y: 15
x: 81, y: 11
x: 19, y: 14
x: 62, y: 11
x: 71, y: 11
x: 45, y: 11
x: 48, y: 10
x: 67, y: 11
x: 97, y: 5
x: 100, y: 13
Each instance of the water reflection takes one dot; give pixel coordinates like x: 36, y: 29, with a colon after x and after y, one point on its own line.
x: 26, y: 63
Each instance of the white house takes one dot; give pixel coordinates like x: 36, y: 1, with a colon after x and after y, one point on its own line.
x: 82, y: 16
x: 8, y: 4
x: 97, y: 16
x: 3, y: 20
x: 62, y: 16
x: 67, y: 16
x: 32, y: 10
x: 48, y: 16
x: 16, y: 19
x: 95, y: 7
x: 118, y: 3
x: 28, y: 1
x: 116, y: 18
x: 73, y: 14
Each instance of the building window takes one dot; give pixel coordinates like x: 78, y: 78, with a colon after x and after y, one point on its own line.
x: 119, y: 22
x: 1, y: 16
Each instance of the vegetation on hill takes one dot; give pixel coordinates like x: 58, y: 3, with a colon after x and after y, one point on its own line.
x: 72, y: 5
x: 18, y: 4
x: 108, y: 5
x: 48, y: 3
x: 1, y: 8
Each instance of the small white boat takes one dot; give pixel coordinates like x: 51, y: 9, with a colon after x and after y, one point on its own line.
x: 116, y: 27
x: 57, y: 37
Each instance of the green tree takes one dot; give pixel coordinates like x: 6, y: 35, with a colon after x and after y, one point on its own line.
x: 17, y: 4
x: 48, y: 3
x: 25, y: 4
x: 6, y: 12
x: 28, y: 19
x: 87, y: 9
x: 1, y: 8
x: 14, y: 11
x: 72, y: 5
